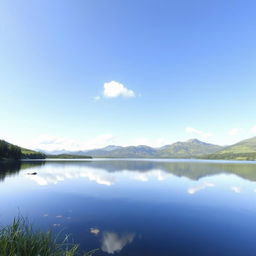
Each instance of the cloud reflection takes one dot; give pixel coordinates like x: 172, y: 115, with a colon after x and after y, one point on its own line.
x: 48, y: 176
x: 236, y: 189
x: 205, y: 185
x: 154, y: 174
x: 113, y: 242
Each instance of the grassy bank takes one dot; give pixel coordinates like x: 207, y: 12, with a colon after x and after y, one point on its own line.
x: 19, y: 239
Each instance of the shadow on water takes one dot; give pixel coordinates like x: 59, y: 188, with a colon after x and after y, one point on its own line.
x: 12, y: 168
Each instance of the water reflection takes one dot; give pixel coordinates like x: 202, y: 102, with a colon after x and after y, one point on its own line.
x: 47, y: 176
x: 139, y: 207
x: 194, y: 170
x: 12, y: 168
x: 143, y: 170
x: 113, y: 242
x: 105, y: 172
x: 205, y: 185
x: 236, y: 189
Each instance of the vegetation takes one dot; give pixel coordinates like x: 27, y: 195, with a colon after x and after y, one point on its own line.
x: 244, y: 150
x: 9, y: 151
x: 68, y: 156
x: 19, y: 239
x: 30, y: 154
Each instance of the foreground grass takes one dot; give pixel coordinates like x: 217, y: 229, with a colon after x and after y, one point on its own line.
x: 19, y: 239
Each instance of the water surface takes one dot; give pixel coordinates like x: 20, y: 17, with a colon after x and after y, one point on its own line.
x: 138, y: 207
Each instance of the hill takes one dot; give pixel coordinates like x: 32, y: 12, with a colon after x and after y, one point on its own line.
x: 31, y: 154
x: 68, y: 156
x: 187, y: 149
x: 243, y: 150
x: 10, y: 151
x: 117, y: 151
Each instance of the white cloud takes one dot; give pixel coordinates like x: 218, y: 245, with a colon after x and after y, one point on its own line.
x: 253, y: 129
x: 114, y: 89
x: 112, y: 242
x: 233, y: 131
x: 55, y: 143
x: 192, y: 130
x: 194, y: 190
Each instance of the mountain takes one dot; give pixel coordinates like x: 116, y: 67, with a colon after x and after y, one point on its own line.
x: 10, y: 151
x: 102, y: 152
x: 111, y: 147
x: 131, y: 151
x: 243, y: 150
x: 187, y: 149
x: 194, y: 148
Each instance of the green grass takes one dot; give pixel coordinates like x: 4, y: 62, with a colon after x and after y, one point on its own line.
x: 20, y: 239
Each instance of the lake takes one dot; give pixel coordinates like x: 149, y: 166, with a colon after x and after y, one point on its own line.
x: 138, y: 206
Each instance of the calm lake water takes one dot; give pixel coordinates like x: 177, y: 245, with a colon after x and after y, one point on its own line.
x: 138, y: 207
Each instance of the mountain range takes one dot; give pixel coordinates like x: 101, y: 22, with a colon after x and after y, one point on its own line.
x: 193, y: 148
x: 187, y: 149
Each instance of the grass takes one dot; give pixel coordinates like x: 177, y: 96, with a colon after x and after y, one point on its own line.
x: 20, y: 239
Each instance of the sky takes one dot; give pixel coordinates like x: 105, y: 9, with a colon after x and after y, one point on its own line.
x: 85, y: 74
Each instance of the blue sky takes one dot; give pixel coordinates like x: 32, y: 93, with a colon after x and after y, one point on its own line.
x: 84, y: 74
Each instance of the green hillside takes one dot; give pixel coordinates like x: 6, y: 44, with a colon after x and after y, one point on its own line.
x: 9, y: 151
x: 68, y: 156
x: 31, y: 154
x: 243, y: 150
x: 187, y: 149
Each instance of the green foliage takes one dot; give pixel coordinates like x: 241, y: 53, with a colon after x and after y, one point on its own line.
x: 19, y: 239
x: 9, y: 151
x: 30, y: 154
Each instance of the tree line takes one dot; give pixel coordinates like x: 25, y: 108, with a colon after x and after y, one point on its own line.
x: 9, y: 151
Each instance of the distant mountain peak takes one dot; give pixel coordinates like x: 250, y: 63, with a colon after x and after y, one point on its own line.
x: 111, y: 147
x: 195, y: 141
